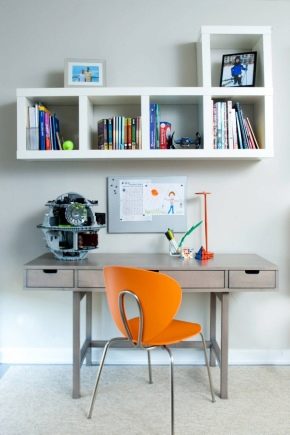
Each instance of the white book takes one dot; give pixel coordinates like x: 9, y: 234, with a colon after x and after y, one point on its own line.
x: 219, y: 140
x: 36, y: 115
x: 230, y: 125
x: 234, y: 129
x: 31, y: 117
x: 32, y: 131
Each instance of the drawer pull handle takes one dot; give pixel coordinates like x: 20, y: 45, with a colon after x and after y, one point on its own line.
x: 49, y: 270
x: 252, y: 272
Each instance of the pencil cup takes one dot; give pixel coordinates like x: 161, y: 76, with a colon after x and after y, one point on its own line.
x: 173, y: 248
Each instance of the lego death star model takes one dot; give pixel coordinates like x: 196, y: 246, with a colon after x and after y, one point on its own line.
x: 71, y: 227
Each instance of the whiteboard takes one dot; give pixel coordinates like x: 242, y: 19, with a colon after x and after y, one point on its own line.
x: 146, y: 204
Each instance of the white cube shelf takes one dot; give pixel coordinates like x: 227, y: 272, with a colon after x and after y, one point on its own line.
x: 189, y: 109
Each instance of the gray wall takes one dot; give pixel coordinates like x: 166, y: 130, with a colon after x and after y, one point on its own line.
x: 145, y: 43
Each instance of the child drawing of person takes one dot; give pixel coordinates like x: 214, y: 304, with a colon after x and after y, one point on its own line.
x: 172, y: 200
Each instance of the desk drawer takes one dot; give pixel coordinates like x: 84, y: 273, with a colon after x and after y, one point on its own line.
x: 252, y: 279
x: 198, y: 278
x: 50, y: 278
x: 90, y: 279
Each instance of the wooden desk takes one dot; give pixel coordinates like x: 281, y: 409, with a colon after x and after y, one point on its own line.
x: 226, y: 273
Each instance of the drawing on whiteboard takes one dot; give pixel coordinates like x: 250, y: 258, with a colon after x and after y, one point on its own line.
x: 132, y: 201
x: 164, y: 198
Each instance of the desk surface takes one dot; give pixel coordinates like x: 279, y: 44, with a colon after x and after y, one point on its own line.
x: 156, y: 261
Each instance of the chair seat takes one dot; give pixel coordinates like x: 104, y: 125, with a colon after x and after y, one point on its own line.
x: 176, y: 331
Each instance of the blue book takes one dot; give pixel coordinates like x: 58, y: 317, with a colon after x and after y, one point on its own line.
x: 57, y: 133
x: 242, y: 127
x: 41, y: 130
x: 122, y: 129
x: 157, y: 127
x: 152, y: 126
x: 110, y: 133
x: 52, y: 131
x: 240, y: 141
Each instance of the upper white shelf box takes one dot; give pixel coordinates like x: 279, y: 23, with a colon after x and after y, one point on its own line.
x: 215, y: 41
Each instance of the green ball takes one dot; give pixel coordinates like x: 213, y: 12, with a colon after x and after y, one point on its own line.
x: 68, y: 145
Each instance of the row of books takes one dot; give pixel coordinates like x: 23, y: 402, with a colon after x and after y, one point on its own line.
x: 43, y: 130
x: 120, y: 133
x: 231, y: 129
x: 160, y: 131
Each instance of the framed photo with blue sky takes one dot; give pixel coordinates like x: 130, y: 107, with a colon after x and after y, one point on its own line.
x: 84, y: 72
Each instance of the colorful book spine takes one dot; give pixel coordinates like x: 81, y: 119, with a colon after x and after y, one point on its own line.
x: 125, y: 133
x: 157, y: 127
x: 134, y: 133
x: 240, y: 140
x: 242, y: 127
x: 48, y: 146
x: 219, y: 140
x: 234, y: 126
x: 230, y: 125
x: 119, y: 133
x: 51, y: 133
x: 214, y: 125
x: 57, y: 133
x: 152, y: 126
x: 32, y: 129
x: 129, y: 134
x: 102, y: 134
x: 252, y: 134
x: 165, y: 131
x: 139, y: 134
x: 41, y: 131
x: 122, y: 143
x: 110, y: 133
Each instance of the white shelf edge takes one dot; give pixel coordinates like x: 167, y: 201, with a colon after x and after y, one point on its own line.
x: 239, y: 30
x: 242, y: 91
x: 144, y: 155
x: 158, y: 91
x: 108, y: 91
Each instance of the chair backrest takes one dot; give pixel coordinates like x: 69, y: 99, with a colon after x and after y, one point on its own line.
x: 159, y: 295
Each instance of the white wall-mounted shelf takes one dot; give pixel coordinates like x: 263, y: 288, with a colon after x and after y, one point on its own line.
x: 189, y: 109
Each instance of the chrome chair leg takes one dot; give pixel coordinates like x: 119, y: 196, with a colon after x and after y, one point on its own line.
x: 172, y: 387
x: 208, y: 369
x: 149, y: 366
x: 108, y: 344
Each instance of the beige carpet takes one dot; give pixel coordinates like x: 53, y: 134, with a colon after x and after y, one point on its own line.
x: 35, y: 400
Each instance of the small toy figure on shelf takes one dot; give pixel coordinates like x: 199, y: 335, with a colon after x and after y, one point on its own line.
x: 204, y: 254
x: 188, y: 142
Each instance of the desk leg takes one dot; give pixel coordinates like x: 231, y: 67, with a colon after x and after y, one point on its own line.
x: 76, y: 345
x: 224, y: 344
x: 212, y: 359
x: 89, y: 327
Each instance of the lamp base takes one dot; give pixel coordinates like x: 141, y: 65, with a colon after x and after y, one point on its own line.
x: 202, y: 254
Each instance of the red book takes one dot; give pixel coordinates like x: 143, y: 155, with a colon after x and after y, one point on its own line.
x: 48, y: 145
x: 129, y: 134
x: 165, y: 130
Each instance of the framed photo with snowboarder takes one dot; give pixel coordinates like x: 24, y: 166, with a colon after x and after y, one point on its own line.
x: 239, y: 69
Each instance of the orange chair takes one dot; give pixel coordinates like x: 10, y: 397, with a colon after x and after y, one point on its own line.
x: 158, y: 298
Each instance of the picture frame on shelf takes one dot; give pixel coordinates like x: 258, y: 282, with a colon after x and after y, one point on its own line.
x: 238, y: 69
x: 84, y: 72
